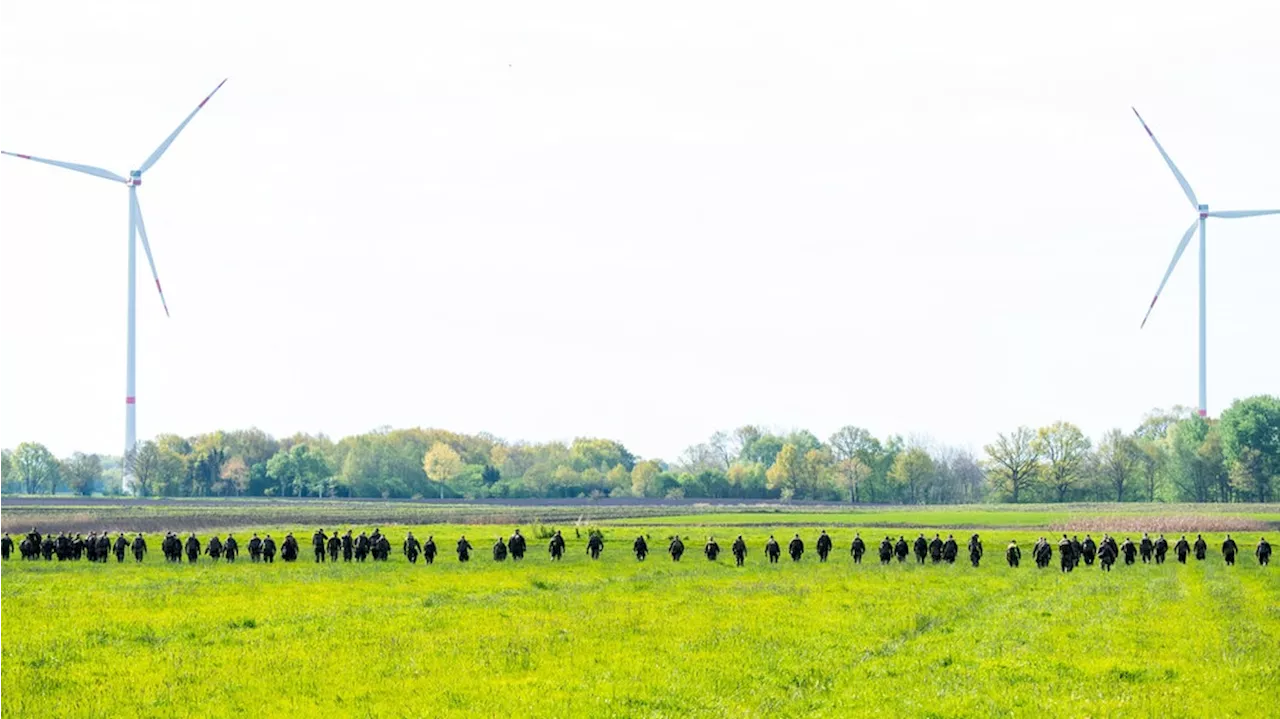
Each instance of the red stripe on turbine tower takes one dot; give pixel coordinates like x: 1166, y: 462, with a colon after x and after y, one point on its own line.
x: 129, y: 400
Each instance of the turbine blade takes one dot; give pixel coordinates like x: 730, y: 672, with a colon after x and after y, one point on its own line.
x: 86, y: 169
x: 146, y: 246
x: 1181, y: 180
x: 1186, y: 238
x: 169, y: 140
x: 1232, y: 214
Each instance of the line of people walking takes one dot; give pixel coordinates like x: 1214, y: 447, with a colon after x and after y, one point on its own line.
x: 1071, y: 551
x: 351, y: 547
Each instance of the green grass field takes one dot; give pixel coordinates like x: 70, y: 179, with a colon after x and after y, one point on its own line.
x: 622, y: 638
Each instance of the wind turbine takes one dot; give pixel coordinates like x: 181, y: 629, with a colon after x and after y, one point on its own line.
x: 1205, y: 214
x: 136, y: 229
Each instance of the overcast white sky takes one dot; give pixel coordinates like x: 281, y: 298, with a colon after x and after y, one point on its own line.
x: 548, y: 220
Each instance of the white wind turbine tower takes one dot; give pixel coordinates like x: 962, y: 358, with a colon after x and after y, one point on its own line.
x: 1204, y: 213
x: 136, y: 229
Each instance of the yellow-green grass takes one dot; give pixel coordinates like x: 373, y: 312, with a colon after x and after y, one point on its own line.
x: 622, y: 638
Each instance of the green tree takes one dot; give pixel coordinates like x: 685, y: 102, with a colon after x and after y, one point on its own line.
x: 1196, y: 458
x: 854, y: 451
x: 1117, y: 461
x: 1012, y: 463
x: 35, y: 468
x: 785, y: 473
x: 1250, y: 430
x: 1064, y: 450
x: 912, y: 469
x: 442, y: 464
x: 747, y: 479
x: 8, y: 480
x: 599, y: 454
x: 644, y: 479
x: 762, y: 447
x: 82, y: 472
x: 618, y: 480
x: 235, y: 476
x: 208, y: 453
x: 1151, y: 459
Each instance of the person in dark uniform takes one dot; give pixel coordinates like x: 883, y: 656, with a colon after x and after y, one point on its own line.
x: 739, y: 550
x: 255, y: 548
x: 1201, y: 548
x: 193, y: 548
x: 900, y: 549
x: 120, y: 546
x: 429, y: 550
x: 335, y: 546
x: 214, y: 548
x: 289, y: 548
x: 556, y: 546
x: 77, y: 547
x: 1044, y: 553
x: 384, y: 549
x: 975, y: 550
x: 886, y: 551
x: 516, y: 545
x: 139, y: 547
x: 1012, y: 554
x: 1182, y: 549
x: 348, y: 546
x: 921, y: 546
x: 935, y: 549
x: 1162, y: 548
x: 362, y: 547
x: 411, y: 548
x: 375, y: 539
x: 676, y: 549
x: 268, y: 549
x: 171, y: 547
x: 230, y: 548
x: 950, y: 550
x: 823, y: 546
x: 1106, y: 555
x: 1263, y: 552
x: 1088, y: 550
x: 1128, y: 549
x: 711, y: 549
x: 90, y: 547
x: 640, y: 547
x: 1066, y: 554
x: 772, y: 550
x: 6, y: 546
x: 595, y: 544
x: 47, y: 547
x: 500, y: 551
x: 1229, y: 550
x: 62, y: 546
x: 464, y: 549
x: 1145, y: 548
x: 795, y: 548
x: 1115, y: 548
x: 1077, y: 550
x: 319, y: 543
x: 858, y: 548
x: 104, y: 547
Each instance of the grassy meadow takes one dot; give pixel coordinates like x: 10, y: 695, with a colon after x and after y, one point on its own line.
x: 616, y: 637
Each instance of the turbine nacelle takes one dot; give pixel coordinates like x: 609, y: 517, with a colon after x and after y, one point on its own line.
x: 135, y: 178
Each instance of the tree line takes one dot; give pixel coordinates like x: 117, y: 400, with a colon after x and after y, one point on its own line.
x: 1173, y: 455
